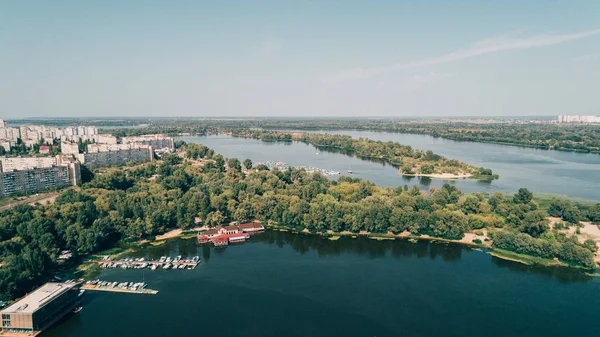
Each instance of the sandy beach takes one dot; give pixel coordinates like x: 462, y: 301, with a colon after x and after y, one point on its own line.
x: 177, y: 232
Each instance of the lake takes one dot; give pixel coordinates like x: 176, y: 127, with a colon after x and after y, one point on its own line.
x: 566, y: 173
x: 282, y: 284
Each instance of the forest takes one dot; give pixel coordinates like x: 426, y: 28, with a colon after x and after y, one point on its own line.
x: 138, y: 202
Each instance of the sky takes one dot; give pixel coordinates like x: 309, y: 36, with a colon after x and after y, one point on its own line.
x: 299, y: 58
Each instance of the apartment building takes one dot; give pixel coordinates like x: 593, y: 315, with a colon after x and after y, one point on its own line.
x: 160, y: 143
x: 99, y: 155
x: 32, y: 174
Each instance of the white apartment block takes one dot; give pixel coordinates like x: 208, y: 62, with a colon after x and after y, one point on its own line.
x: 115, y: 154
x: 160, y: 143
x: 31, y: 174
x: 578, y: 119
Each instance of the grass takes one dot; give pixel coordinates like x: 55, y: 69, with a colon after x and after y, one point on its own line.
x: 524, y: 259
x: 544, y: 199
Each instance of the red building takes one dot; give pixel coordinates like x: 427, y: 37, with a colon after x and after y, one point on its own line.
x: 44, y: 149
x: 222, y: 236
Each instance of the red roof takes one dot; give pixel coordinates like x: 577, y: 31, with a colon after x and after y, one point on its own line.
x: 44, y: 147
x: 220, y: 239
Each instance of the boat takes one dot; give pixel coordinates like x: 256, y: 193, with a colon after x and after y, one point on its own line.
x: 153, y: 267
x: 167, y: 266
x: 78, y: 309
x: 349, y: 169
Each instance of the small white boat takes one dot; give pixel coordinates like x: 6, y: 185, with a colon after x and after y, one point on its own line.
x: 167, y: 266
x: 153, y: 267
x: 78, y: 309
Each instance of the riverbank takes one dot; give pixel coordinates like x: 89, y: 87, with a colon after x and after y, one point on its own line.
x: 470, y: 239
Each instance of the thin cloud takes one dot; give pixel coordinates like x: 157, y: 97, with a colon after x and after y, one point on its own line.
x: 483, y: 47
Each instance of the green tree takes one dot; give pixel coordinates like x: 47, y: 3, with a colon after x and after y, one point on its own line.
x: 523, y: 196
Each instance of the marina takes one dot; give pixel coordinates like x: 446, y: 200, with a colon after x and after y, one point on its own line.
x: 176, y: 263
x: 118, y: 287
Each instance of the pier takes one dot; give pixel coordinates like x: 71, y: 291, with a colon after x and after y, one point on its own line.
x: 119, y: 287
x: 141, y: 263
x: 120, y: 290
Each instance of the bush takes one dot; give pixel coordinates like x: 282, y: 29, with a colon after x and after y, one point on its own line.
x: 477, y: 241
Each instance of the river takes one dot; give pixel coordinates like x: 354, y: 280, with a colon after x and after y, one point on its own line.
x: 541, y: 171
x: 282, y: 284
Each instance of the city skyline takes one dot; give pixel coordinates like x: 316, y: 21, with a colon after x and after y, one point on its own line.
x: 209, y: 59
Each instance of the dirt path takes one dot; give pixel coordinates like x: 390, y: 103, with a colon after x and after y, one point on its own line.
x: 42, y: 198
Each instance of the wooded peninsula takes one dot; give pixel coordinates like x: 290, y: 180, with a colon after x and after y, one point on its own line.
x: 411, y: 162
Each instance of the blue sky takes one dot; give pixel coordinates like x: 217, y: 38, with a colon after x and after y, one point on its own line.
x: 299, y: 58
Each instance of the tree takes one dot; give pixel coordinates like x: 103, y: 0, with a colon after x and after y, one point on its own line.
x: 593, y: 214
x: 523, y: 196
x: 427, y: 169
x: 407, y: 169
x: 248, y: 164
x: 235, y: 164
x: 591, y: 245
x: 535, y: 223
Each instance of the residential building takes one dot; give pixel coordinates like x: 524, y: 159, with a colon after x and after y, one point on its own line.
x: 578, y: 119
x: 40, y: 309
x: 105, y: 139
x: 8, y: 164
x: 159, y: 143
x: 6, y: 144
x: 44, y: 149
x: 67, y: 147
x: 31, y: 174
x: 115, y: 154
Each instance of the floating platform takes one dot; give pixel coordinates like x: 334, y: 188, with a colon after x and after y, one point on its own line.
x: 19, y: 334
x: 119, y: 290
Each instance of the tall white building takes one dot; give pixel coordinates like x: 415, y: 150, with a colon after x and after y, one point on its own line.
x: 578, y: 119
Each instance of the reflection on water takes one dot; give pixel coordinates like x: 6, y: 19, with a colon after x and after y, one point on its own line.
x: 363, y: 246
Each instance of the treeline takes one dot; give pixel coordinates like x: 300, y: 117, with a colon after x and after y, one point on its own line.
x: 140, y: 202
x: 409, y: 160
x: 563, y: 137
x: 579, y: 138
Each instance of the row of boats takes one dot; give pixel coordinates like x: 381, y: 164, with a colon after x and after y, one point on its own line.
x: 133, y: 286
x: 141, y: 263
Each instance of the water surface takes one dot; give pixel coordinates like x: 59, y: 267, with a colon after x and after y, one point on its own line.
x: 281, y: 284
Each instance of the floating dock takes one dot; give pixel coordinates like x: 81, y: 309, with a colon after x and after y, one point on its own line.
x: 119, y: 290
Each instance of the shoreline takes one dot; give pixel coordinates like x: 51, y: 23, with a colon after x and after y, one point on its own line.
x: 495, y: 252
x: 443, y: 176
